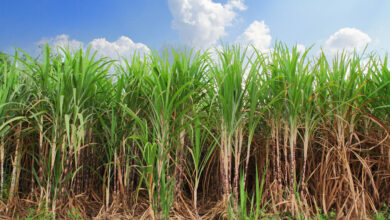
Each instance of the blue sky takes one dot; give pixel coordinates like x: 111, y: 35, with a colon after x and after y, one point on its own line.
x: 122, y: 26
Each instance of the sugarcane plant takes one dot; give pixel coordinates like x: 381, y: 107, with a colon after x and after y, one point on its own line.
x: 234, y: 132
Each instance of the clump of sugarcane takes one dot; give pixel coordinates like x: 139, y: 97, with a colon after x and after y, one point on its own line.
x: 276, y: 132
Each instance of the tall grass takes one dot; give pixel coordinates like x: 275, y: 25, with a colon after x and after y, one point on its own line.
x: 181, y: 134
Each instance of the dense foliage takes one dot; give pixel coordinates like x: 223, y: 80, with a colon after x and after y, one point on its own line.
x: 237, y: 133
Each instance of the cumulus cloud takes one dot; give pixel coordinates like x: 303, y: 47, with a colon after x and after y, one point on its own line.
x: 258, y: 35
x: 61, y: 41
x: 301, y: 48
x: 123, y: 47
x: 348, y: 39
x: 202, y: 23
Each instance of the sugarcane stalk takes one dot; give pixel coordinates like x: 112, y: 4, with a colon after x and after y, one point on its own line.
x: 15, y: 165
x: 238, y: 145
x: 2, y: 146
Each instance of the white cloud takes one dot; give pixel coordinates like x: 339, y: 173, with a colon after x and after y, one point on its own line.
x: 348, y: 39
x: 123, y: 47
x: 202, y: 23
x: 61, y: 41
x: 236, y: 4
x: 258, y: 35
x: 301, y: 48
